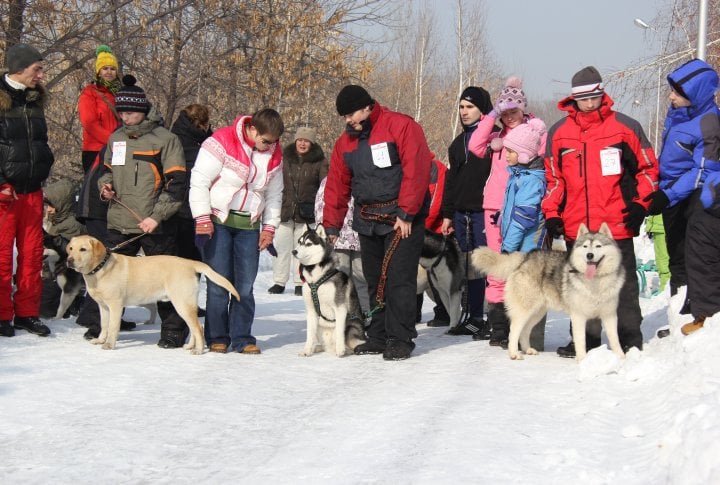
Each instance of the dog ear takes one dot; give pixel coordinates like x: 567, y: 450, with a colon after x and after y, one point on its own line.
x: 582, y: 230
x: 98, y: 247
x: 320, y: 231
x: 605, y: 229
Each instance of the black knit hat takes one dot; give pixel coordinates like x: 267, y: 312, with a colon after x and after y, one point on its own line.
x: 352, y: 98
x: 587, y: 83
x: 21, y: 56
x: 479, y: 97
x: 130, y: 97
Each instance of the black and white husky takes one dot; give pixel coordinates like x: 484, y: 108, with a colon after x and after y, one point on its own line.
x: 442, y: 268
x: 334, y: 317
x: 71, y: 282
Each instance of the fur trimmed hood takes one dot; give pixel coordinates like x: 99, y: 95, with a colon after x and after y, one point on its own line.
x: 33, y: 95
x: 315, y: 154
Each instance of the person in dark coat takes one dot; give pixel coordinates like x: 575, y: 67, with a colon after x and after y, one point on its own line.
x: 192, y: 127
x: 304, y: 167
x: 25, y: 162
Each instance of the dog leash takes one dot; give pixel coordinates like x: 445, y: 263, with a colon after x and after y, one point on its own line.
x: 135, y: 215
x: 367, y: 214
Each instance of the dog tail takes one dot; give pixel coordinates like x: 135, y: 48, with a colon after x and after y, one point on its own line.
x: 216, y: 278
x: 497, y: 265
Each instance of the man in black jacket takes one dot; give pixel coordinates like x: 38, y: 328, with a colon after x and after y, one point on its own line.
x: 25, y: 161
x: 462, y: 206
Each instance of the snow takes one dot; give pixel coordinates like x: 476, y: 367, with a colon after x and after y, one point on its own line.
x: 459, y: 411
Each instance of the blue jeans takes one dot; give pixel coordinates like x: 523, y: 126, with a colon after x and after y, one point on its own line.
x: 234, y: 254
x: 470, y: 234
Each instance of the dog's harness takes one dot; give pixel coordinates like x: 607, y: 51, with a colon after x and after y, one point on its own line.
x: 102, y: 263
x: 314, y: 292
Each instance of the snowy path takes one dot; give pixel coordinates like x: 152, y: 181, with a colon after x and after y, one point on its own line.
x: 458, y: 411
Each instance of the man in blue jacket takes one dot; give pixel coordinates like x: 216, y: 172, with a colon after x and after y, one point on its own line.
x: 690, y: 152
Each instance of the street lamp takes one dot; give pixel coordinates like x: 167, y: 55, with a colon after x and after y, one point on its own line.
x: 644, y: 25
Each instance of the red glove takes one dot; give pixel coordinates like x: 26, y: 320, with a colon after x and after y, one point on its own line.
x: 7, y: 194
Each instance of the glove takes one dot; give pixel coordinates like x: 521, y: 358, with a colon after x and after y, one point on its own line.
x: 271, y: 250
x: 504, y: 106
x: 634, y: 217
x: 7, y: 194
x: 204, y: 230
x: 555, y: 227
x: 658, y: 201
x: 494, y: 218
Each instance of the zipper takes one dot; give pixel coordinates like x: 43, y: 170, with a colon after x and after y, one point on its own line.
x: 136, y: 173
x: 583, y: 163
x: 28, y: 128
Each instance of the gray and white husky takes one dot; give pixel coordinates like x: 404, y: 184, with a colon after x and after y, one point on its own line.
x: 584, y: 283
x: 334, y: 319
x: 441, y: 267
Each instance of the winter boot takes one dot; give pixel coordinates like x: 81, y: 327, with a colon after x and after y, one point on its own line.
x: 371, y: 346
x: 6, y: 328
x: 689, y: 328
x: 172, y: 338
x: 32, y: 325
x: 397, y: 349
x: 499, y: 323
x: 441, y: 318
x: 568, y: 351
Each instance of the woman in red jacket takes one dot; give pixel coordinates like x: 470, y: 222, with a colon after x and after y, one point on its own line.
x: 97, y: 106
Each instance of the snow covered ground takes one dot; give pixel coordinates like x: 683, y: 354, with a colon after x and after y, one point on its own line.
x: 457, y: 412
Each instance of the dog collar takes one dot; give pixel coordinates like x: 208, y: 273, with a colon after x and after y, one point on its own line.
x: 102, y: 263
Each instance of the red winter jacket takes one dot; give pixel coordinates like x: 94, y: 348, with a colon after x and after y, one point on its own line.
x: 596, y: 164
x: 96, y: 117
x: 400, y: 176
x: 433, y: 222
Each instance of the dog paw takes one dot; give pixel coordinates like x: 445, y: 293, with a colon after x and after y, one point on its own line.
x: 196, y: 351
x: 531, y: 351
x: 97, y: 341
x: 108, y: 346
x: 516, y: 356
x: 305, y: 353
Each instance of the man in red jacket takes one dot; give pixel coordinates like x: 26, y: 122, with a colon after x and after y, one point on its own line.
x: 383, y: 160
x: 599, y: 167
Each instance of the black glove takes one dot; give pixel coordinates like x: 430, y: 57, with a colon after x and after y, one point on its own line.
x: 658, y: 201
x: 555, y: 227
x: 634, y: 217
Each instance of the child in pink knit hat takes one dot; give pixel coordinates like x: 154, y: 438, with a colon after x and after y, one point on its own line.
x: 522, y: 225
x: 511, y: 111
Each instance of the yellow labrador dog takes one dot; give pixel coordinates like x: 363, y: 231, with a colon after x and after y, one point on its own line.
x: 115, y: 281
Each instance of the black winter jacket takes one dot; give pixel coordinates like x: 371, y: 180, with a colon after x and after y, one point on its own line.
x: 466, y: 176
x: 25, y: 156
x: 301, y: 177
x: 191, y: 137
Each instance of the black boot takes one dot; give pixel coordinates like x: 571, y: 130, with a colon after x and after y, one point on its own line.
x: 398, y: 349
x: 173, y: 338
x: 441, y: 318
x: 499, y: 323
x: 32, y: 325
x: 591, y: 342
